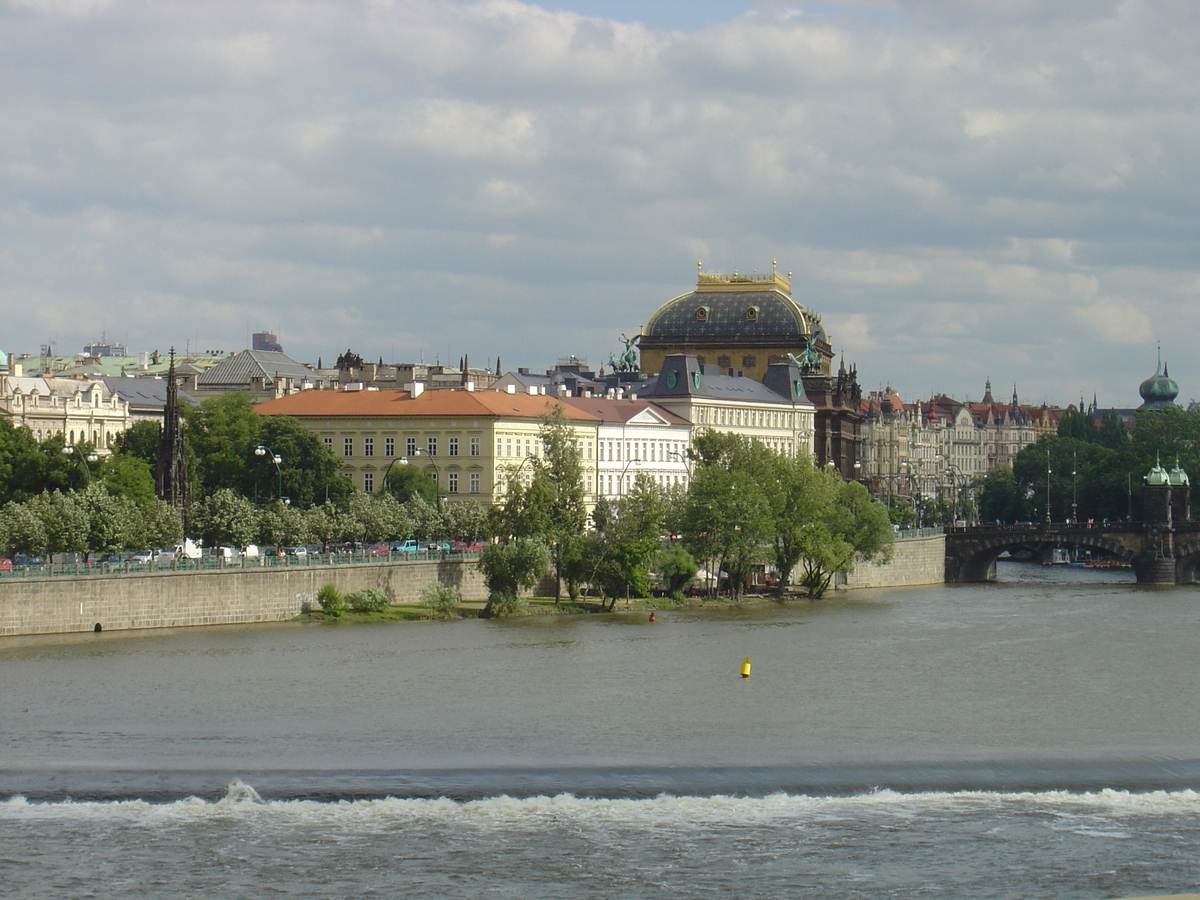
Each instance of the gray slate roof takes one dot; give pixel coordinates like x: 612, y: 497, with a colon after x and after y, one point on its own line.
x: 143, y: 394
x: 240, y: 368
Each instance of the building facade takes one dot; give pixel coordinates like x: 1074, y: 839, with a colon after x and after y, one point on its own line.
x: 471, y: 443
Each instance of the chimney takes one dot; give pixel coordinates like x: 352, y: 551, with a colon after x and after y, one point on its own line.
x: 470, y: 386
x: 415, y: 388
x: 510, y: 388
x: 633, y: 395
x: 533, y: 390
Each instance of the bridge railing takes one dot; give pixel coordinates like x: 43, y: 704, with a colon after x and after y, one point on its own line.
x: 1042, y: 527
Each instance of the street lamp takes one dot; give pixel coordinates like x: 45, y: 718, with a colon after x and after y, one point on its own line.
x: 260, y: 450
x: 68, y: 449
x: 402, y: 460
x: 437, y: 475
x: 1047, y: 485
x: 1075, y: 489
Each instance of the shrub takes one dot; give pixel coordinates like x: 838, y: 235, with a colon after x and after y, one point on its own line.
x: 368, y: 600
x: 333, y: 604
x: 441, y: 600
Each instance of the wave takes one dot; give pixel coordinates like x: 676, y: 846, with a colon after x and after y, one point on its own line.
x: 243, y: 802
x: 962, y: 779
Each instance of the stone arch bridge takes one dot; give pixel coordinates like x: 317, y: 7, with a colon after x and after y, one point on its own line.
x: 1159, y: 554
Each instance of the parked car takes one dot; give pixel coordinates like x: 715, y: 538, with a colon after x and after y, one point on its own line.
x: 141, y: 556
x: 384, y: 547
x: 5, y: 565
x: 466, y: 546
x: 409, y: 546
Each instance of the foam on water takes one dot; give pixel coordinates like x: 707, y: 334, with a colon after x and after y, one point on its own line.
x: 242, y: 802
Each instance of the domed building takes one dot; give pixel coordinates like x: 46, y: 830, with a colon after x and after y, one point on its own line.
x: 1159, y: 390
x: 743, y: 324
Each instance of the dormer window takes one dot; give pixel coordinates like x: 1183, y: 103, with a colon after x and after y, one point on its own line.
x: 751, y: 313
x: 702, y: 314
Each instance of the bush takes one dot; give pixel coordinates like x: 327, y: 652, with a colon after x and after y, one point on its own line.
x: 503, y: 603
x: 333, y: 604
x: 368, y: 600
x: 441, y: 600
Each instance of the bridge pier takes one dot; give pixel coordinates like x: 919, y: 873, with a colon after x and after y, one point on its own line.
x: 1156, y: 570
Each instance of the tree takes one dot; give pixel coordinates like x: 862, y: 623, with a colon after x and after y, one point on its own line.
x: 728, y: 518
x: 20, y: 460
x: 65, y: 520
x: 627, y: 538
x: 853, y: 527
x: 221, y: 434
x: 223, y: 519
x: 801, y: 496
x: 552, y: 507
x: 127, y: 476
x: 22, y: 530
x: 1000, y: 497
x: 404, y: 482
x: 676, y: 568
x: 139, y: 441
x: 508, y: 568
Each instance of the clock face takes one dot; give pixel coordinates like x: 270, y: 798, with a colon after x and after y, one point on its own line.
x: 672, y: 379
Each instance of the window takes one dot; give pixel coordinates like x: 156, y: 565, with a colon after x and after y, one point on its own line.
x: 329, y: 444
x: 348, y: 447
x: 474, y: 482
x: 431, y: 446
x: 453, y: 449
x: 723, y: 362
x: 452, y: 483
x: 410, y: 447
x: 368, y: 482
x: 508, y: 446
x: 389, y: 447
x: 368, y: 446
x: 474, y: 446
x: 749, y: 362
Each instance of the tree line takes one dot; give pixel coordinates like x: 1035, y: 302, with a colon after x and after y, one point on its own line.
x: 745, y: 505
x: 1093, y: 469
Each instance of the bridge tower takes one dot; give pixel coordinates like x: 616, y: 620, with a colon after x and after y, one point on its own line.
x: 1166, y: 507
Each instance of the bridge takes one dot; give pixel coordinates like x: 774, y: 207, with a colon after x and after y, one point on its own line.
x: 1158, y: 553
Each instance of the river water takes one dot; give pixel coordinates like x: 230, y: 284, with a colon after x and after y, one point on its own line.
x: 1039, y: 737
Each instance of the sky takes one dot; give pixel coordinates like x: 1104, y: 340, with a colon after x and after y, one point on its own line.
x: 962, y: 190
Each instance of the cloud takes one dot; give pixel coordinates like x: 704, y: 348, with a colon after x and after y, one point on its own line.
x: 956, y: 187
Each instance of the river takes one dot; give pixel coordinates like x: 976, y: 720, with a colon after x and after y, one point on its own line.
x: 1038, y: 737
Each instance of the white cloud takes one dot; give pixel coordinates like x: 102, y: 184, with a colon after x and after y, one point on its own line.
x: 955, y: 186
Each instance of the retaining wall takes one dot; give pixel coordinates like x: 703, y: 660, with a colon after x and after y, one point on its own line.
x: 230, y: 597
x: 916, y: 560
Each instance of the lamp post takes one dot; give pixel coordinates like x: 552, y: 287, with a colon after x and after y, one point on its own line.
x: 402, y: 460
x: 437, y: 475
x: 1047, y: 485
x: 1075, y: 489
x: 260, y: 450
x: 68, y: 449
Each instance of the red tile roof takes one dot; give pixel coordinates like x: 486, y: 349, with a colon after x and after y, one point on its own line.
x: 462, y: 404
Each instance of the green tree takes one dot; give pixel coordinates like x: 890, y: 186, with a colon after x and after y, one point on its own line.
x: 22, y: 530
x: 405, y: 482
x: 223, y: 519
x: 127, y: 476
x: 507, y: 569
x: 728, y: 519
x: 1001, y: 499
x: 20, y: 463
x: 65, y: 520
x: 551, y: 509
x: 852, y: 528
x: 627, y: 538
x: 139, y: 441
x: 221, y: 435
x: 676, y: 568
x: 801, y: 494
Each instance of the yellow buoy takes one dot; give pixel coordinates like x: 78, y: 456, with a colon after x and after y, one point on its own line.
x: 746, y: 667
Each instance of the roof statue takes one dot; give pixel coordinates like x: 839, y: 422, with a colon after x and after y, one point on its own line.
x: 627, y: 361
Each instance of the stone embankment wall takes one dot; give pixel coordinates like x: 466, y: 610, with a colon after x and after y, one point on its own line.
x: 231, y: 597
x: 915, y: 560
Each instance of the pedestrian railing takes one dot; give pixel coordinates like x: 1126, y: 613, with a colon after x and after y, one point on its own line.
x: 80, y: 569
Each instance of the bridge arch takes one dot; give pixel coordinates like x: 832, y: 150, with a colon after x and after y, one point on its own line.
x: 971, y: 552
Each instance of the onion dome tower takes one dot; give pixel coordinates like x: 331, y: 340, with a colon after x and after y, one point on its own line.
x: 1159, y: 390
